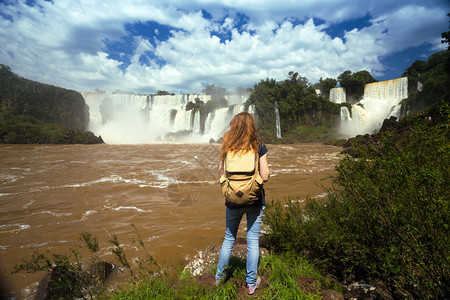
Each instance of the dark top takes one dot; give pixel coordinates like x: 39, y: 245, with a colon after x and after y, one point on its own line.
x: 262, y: 150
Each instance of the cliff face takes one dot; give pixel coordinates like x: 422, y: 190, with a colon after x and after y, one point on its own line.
x: 46, y: 103
x: 36, y: 113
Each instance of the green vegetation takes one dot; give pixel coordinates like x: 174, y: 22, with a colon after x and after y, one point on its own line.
x: 69, y: 277
x: 163, y: 93
x: 354, y: 84
x: 428, y: 82
x: 284, y: 276
x: 325, y: 85
x: 300, y: 109
x: 282, y: 279
x: 387, y: 215
x: 28, y: 130
x: 32, y: 112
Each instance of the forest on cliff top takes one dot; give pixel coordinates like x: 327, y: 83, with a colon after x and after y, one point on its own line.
x: 36, y: 113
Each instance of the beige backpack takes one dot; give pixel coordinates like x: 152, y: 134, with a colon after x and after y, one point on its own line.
x: 241, y: 182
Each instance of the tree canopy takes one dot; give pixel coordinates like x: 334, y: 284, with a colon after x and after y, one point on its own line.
x: 298, y: 105
x: 354, y: 83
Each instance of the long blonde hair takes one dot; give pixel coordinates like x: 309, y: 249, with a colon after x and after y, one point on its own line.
x: 242, y: 135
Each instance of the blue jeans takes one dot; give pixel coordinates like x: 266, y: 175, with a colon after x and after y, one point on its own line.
x: 233, y: 218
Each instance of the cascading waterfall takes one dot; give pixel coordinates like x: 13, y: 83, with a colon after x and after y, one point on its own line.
x: 134, y: 119
x: 337, y: 95
x: 381, y: 100
x: 277, y: 121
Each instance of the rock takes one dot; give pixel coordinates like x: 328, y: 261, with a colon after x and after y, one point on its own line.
x: 331, y: 295
x: 69, y: 283
x: 357, y: 290
x: 390, y: 124
x: 67, y: 286
x: 42, y: 287
x: 205, y: 258
x: 100, y: 271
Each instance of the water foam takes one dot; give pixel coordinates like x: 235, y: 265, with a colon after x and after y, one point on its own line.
x: 52, y: 213
x: 87, y: 214
x: 16, y: 227
x: 128, y: 208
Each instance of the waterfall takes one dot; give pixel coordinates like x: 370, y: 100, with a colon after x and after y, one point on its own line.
x: 131, y: 119
x: 337, y: 95
x: 196, y: 127
x: 381, y: 100
x: 252, y: 110
x: 277, y: 121
x: 345, y: 115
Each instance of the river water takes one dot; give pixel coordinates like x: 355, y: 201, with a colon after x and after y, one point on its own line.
x: 49, y: 194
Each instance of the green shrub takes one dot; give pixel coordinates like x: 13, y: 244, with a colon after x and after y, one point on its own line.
x: 387, y: 214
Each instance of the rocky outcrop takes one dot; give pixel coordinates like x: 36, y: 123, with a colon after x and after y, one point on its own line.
x: 32, y: 112
x: 62, y: 282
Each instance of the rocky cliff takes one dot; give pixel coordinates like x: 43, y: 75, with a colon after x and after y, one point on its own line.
x: 32, y: 112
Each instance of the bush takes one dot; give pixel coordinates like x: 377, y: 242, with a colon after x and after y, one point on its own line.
x: 387, y: 215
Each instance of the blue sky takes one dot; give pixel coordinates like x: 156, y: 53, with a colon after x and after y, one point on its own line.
x: 181, y: 46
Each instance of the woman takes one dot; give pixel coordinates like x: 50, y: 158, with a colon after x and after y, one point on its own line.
x: 243, y: 136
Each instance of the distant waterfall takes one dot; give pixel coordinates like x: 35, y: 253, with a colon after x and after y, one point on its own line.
x: 337, y: 95
x: 131, y: 119
x: 380, y: 101
x: 277, y: 121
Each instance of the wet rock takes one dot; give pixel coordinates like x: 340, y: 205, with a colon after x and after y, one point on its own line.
x: 358, y: 290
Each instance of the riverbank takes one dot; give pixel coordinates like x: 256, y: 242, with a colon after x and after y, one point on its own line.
x: 282, y: 277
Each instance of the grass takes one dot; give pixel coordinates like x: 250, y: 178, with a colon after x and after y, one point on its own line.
x: 286, y: 276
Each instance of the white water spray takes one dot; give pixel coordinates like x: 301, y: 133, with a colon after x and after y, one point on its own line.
x: 141, y: 119
x: 381, y: 100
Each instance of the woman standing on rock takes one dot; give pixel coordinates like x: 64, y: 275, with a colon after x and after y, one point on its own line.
x: 243, y: 169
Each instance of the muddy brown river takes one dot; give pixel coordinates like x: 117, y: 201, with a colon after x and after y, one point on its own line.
x: 49, y: 194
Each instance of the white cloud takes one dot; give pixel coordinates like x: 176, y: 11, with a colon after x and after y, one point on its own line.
x: 63, y: 42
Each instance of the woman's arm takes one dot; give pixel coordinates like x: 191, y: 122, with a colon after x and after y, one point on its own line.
x: 264, y: 168
x: 221, y: 168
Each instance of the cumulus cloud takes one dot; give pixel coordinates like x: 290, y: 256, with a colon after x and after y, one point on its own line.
x: 227, y: 43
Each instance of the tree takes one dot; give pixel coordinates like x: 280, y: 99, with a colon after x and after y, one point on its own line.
x: 293, y: 77
x: 354, y: 83
x: 298, y: 105
x: 434, y: 77
x: 162, y: 93
x: 325, y: 85
x: 417, y: 67
x: 446, y: 37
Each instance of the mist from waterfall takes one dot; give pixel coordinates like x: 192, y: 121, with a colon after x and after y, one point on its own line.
x: 381, y: 100
x: 144, y: 119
